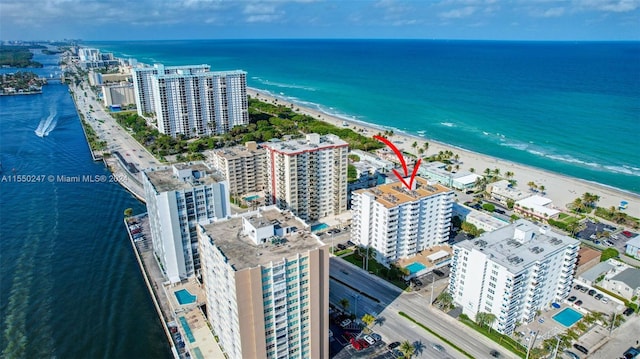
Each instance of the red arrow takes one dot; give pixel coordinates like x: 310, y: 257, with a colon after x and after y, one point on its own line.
x: 402, y: 161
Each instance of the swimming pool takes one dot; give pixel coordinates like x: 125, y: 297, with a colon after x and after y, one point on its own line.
x: 184, y: 297
x: 567, y: 317
x: 251, y: 198
x: 319, y: 227
x: 415, y: 267
x: 187, y: 329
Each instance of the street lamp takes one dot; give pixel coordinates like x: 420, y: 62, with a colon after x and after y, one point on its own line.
x: 618, y: 308
x: 355, y: 306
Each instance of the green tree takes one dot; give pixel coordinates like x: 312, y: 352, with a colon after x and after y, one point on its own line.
x: 445, y: 299
x: 609, y: 253
x: 489, y: 207
x: 510, y: 203
x: 128, y: 212
x: 344, y: 303
x: 368, y: 319
x: 407, y: 349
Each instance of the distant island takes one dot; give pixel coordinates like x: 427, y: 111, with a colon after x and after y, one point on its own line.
x: 21, y: 83
x: 17, y: 56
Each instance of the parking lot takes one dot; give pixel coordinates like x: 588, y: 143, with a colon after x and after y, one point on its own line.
x: 348, y: 341
x: 605, y: 235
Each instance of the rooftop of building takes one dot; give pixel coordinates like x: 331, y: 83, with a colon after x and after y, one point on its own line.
x: 312, y: 142
x: 599, y: 269
x: 505, y: 188
x: 236, y: 152
x: 630, y: 277
x: 394, y: 194
x: 519, y: 244
x: 242, y: 253
x: 199, y: 74
x: 165, y: 178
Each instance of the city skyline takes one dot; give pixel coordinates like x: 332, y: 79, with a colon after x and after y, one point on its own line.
x: 208, y: 19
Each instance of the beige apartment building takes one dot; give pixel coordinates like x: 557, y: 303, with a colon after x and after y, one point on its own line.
x: 244, y: 167
x: 267, y: 283
x: 308, y: 176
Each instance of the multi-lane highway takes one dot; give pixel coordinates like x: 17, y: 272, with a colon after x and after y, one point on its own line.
x: 369, y: 294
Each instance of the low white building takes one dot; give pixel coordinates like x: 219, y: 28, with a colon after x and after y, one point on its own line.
x: 633, y: 247
x: 479, y: 219
x: 512, y: 273
x: 437, y: 171
x: 537, y: 207
x: 502, y: 191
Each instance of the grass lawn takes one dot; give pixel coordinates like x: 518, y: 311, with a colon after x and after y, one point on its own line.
x: 501, y: 339
x: 567, y: 218
x: 377, y: 269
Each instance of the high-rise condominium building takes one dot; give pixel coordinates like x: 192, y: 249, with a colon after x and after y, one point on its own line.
x: 512, y: 272
x: 204, y: 103
x: 398, y: 222
x: 244, y: 167
x: 142, y: 82
x: 308, y: 177
x: 267, y: 285
x: 178, y: 198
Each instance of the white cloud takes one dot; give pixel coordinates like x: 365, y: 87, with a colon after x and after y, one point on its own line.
x: 553, y: 12
x: 609, y: 5
x: 458, y: 13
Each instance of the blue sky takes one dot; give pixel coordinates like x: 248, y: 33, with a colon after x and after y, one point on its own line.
x: 226, y: 19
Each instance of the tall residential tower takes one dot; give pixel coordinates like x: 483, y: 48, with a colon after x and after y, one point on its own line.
x: 399, y: 223
x: 267, y: 285
x: 512, y: 273
x: 308, y: 177
x: 178, y: 198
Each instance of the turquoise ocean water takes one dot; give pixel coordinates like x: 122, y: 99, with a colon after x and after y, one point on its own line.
x: 568, y: 107
x: 70, y: 286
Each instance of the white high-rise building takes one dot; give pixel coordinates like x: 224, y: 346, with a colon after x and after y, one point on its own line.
x: 399, y: 223
x: 267, y: 285
x: 512, y: 272
x: 308, y: 177
x: 178, y: 198
x: 142, y: 83
x: 203, y: 103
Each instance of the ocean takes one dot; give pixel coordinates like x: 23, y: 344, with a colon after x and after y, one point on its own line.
x: 70, y: 286
x: 567, y: 107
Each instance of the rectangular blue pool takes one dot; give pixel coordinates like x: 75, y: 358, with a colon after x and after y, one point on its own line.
x: 415, y: 267
x: 251, y: 198
x: 567, y: 317
x: 319, y: 227
x: 184, y: 297
x: 187, y: 329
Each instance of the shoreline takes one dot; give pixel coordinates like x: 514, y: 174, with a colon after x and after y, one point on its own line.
x: 561, y: 188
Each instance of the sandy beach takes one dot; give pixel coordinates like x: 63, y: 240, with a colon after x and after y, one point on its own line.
x: 561, y: 189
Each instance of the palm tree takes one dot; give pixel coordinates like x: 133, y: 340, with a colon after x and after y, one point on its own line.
x: 487, y: 171
x: 577, y: 205
x: 344, y: 303
x: 472, y: 170
x: 542, y: 188
x: 508, y: 174
x: 445, y: 299
x: 496, y: 172
x: 425, y: 145
x: 407, y: 349
x: 532, y: 185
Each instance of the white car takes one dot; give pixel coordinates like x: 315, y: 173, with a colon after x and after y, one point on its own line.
x: 369, y: 340
x: 604, y: 300
x: 345, y: 322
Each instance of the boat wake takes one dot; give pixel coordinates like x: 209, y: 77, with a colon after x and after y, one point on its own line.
x: 47, y: 125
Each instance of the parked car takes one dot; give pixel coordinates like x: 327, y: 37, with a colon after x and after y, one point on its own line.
x: 578, y: 303
x: 369, y: 339
x: 628, y: 311
x: 572, y: 298
x: 598, y: 296
x: 571, y: 354
x: 376, y: 337
x: 578, y: 287
x: 345, y: 322
x: 581, y: 349
x: 393, y: 345
x: 604, y: 300
x: 591, y: 292
x: 584, y: 289
x: 363, y: 343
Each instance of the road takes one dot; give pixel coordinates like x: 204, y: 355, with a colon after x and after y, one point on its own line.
x: 393, y: 327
